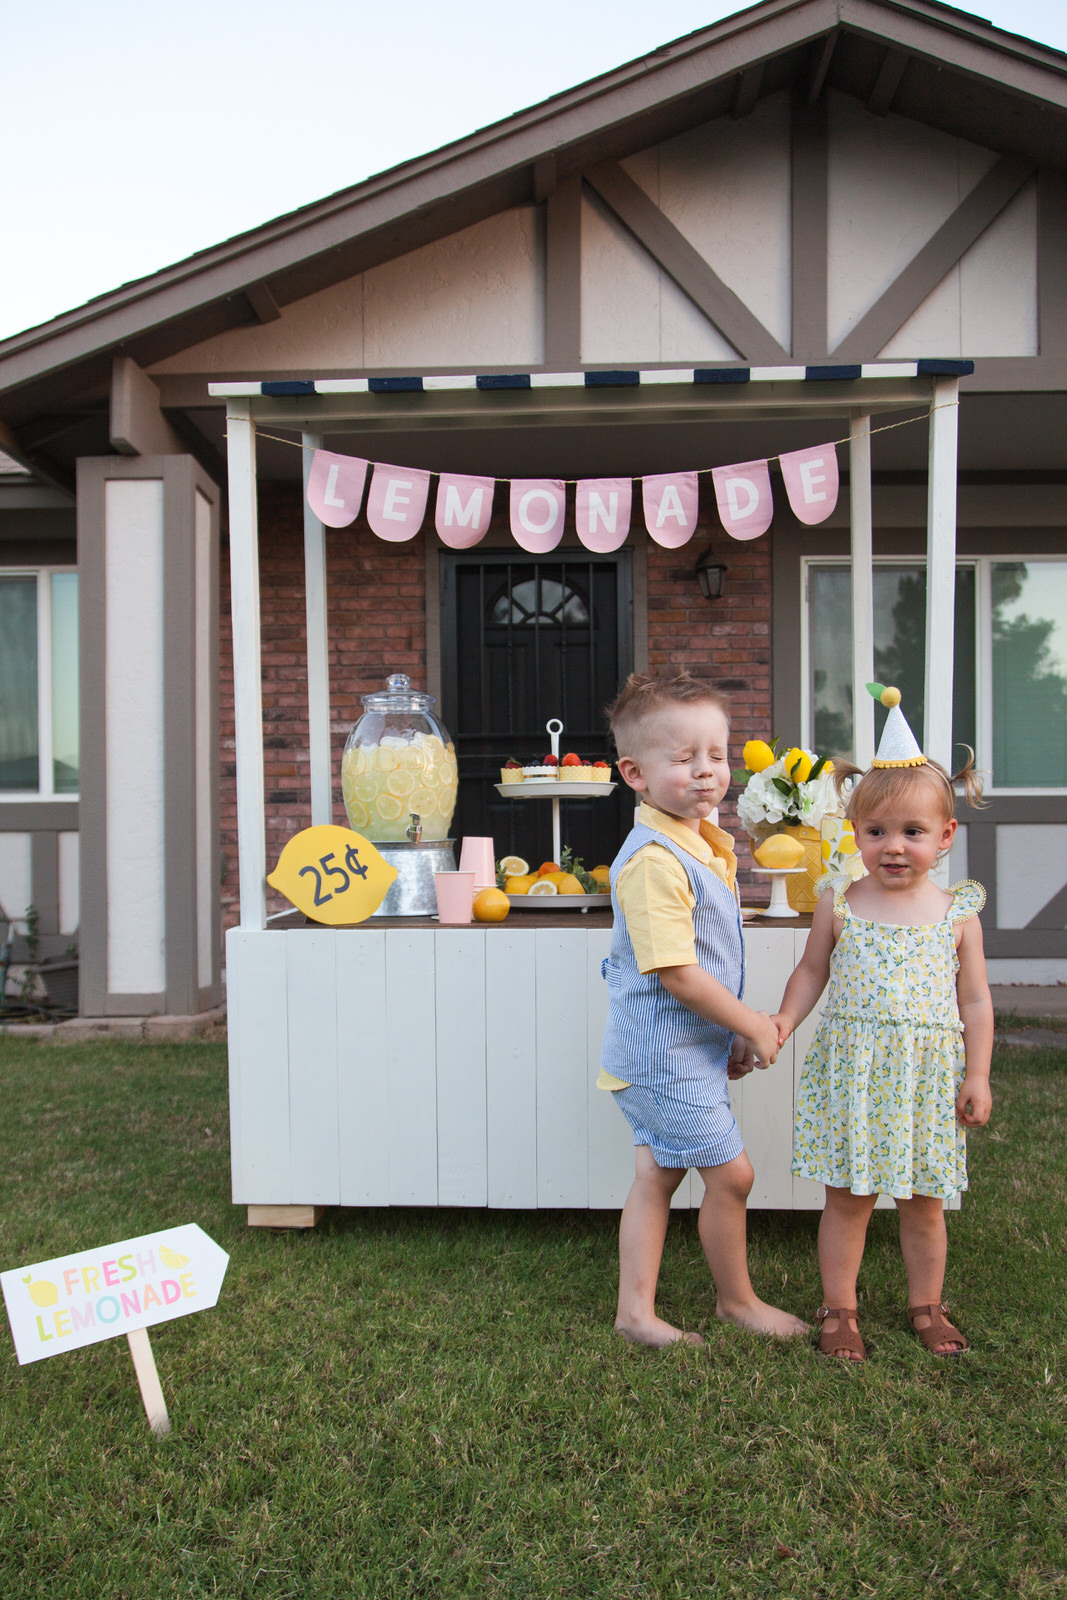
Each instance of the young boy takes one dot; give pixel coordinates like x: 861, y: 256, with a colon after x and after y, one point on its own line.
x: 677, y: 1028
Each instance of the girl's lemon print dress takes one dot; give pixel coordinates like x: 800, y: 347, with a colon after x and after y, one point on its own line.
x: 876, y: 1109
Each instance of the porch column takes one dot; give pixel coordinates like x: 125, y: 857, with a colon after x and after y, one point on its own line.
x: 860, y: 518
x: 318, y: 651
x: 148, y: 585
x: 941, y: 569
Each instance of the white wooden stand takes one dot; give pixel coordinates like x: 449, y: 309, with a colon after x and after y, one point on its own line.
x: 457, y: 1066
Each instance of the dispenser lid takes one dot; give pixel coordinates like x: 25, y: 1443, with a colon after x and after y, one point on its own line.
x: 398, y: 695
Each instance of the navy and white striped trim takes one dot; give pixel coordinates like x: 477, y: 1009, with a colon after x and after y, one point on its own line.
x: 630, y: 378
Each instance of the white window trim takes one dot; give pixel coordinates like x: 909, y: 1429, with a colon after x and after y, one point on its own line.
x: 983, y: 632
x: 42, y: 795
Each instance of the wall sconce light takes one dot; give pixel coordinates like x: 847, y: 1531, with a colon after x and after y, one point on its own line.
x: 710, y: 575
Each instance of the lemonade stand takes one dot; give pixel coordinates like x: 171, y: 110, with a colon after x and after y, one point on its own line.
x: 401, y: 1062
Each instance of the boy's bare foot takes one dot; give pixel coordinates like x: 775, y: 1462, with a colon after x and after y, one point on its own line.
x: 656, y: 1333
x: 758, y: 1317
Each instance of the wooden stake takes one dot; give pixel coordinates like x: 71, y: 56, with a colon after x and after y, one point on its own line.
x: 144, y: 1364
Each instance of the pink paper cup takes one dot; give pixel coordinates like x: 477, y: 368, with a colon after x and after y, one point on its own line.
x: 476, y: 855
x: 455, y: 897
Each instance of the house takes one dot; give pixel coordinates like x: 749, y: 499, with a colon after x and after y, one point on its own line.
x: 840, y: 188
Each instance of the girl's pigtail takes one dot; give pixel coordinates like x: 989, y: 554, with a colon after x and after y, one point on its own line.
x: 972, y: 783
x: 844, y: 772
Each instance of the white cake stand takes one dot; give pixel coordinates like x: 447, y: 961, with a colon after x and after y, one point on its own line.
x: 779, y: 906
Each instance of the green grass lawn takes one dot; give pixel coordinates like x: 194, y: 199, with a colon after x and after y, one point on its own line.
x: 432, y: 1403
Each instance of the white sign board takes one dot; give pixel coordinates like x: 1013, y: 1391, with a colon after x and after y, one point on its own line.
x: 60, y: 1305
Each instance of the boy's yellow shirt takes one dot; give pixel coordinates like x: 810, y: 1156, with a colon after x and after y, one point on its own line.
x: 655, y: 898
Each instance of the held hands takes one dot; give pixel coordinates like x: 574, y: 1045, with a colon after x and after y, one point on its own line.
x: 764, y: 1039
x: 742, y: 1058
x: 784, y: 1024
x: 974, y: 1102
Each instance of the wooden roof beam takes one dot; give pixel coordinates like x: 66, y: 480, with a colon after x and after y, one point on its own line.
x: 747, y: 92
x: 937, y: 257
x: 821, y: 57
x: 263, y: 302
x: 671, y: 250
x: 894, y: 65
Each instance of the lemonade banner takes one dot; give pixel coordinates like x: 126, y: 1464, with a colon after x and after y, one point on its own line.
x: 398, y: 497
x: 71, y: 1301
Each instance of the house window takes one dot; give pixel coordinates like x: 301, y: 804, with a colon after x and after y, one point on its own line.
x: 38, y: 684
x: 1010, y: 673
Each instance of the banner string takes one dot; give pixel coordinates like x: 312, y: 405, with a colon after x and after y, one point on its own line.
x: 886, y: 427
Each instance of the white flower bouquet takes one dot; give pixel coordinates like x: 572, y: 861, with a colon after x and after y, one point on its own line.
x: 794, y: 789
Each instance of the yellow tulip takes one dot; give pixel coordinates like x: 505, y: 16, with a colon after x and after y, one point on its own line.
x: 798, y: 766
x: 757, y: 755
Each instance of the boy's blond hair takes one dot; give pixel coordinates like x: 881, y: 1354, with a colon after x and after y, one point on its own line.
x: 644, y: 694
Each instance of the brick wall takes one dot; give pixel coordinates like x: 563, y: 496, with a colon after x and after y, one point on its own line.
x: 377, y: 604
x: 727, y: 641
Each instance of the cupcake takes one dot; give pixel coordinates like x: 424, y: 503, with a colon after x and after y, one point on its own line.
x: 511, y: 771
x: 572, y: 769
x: 542, y: 770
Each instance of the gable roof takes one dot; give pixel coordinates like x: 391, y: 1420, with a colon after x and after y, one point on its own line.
x: 920, y: 58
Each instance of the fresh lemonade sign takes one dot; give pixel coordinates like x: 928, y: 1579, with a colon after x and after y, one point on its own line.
x: 76, y: 1300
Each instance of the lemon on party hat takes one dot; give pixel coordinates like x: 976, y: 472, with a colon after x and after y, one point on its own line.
x: 898, y: 746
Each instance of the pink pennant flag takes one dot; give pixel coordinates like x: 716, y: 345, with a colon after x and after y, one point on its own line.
x: 811, y: 482
x: 396, y: 503
x: 743, y: 494
x: 602, y: 512
x: 671, y: 501
x: 335, y: 487
x: 537, y: 506
x: 464, y: 507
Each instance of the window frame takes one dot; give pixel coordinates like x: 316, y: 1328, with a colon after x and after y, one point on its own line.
x: 983, y: 636
x: 45, y: 756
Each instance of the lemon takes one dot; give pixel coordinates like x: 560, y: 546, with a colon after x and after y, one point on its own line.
x: 798, y: 765
x: 422, y: 802
x: 411, y: 756
x: 602, y: 875
x: 543, y: 886
x: 491, y: 905
x: 43, y: 1293
x: 387, y: 808
x: 356, y: 761
x: 520, y: 885
x: 365, y: 789
x: 514, y: 866
x: 567, y: 883
x: 757, y: 755
x: 385, y: 758
x: 358, y: 815
x: 779, y: 851
x: 400, y: 783
x: 171, y: 1258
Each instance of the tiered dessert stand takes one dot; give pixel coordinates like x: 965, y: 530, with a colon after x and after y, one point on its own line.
x: 555, y: 789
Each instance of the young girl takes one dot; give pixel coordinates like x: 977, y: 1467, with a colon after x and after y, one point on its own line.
x: 884, y: 1099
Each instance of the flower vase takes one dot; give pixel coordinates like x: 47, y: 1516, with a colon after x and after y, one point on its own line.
x: 801, y: 890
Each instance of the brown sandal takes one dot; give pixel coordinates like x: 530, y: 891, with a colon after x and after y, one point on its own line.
x: 939, y: 1330
x: 844, y: 1337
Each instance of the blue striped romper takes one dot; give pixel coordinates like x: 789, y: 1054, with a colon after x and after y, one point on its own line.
x: 673, y: 1060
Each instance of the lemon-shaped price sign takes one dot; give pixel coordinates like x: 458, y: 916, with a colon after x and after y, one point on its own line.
x: 332, y: 874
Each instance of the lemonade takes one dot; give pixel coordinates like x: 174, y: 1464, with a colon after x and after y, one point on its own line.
x: 399, y: 761
x: 383, y: 784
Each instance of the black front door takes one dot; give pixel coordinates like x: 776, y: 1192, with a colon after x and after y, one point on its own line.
x: 524, y: 639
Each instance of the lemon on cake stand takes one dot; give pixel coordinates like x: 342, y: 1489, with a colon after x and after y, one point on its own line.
x: 778, y: 858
